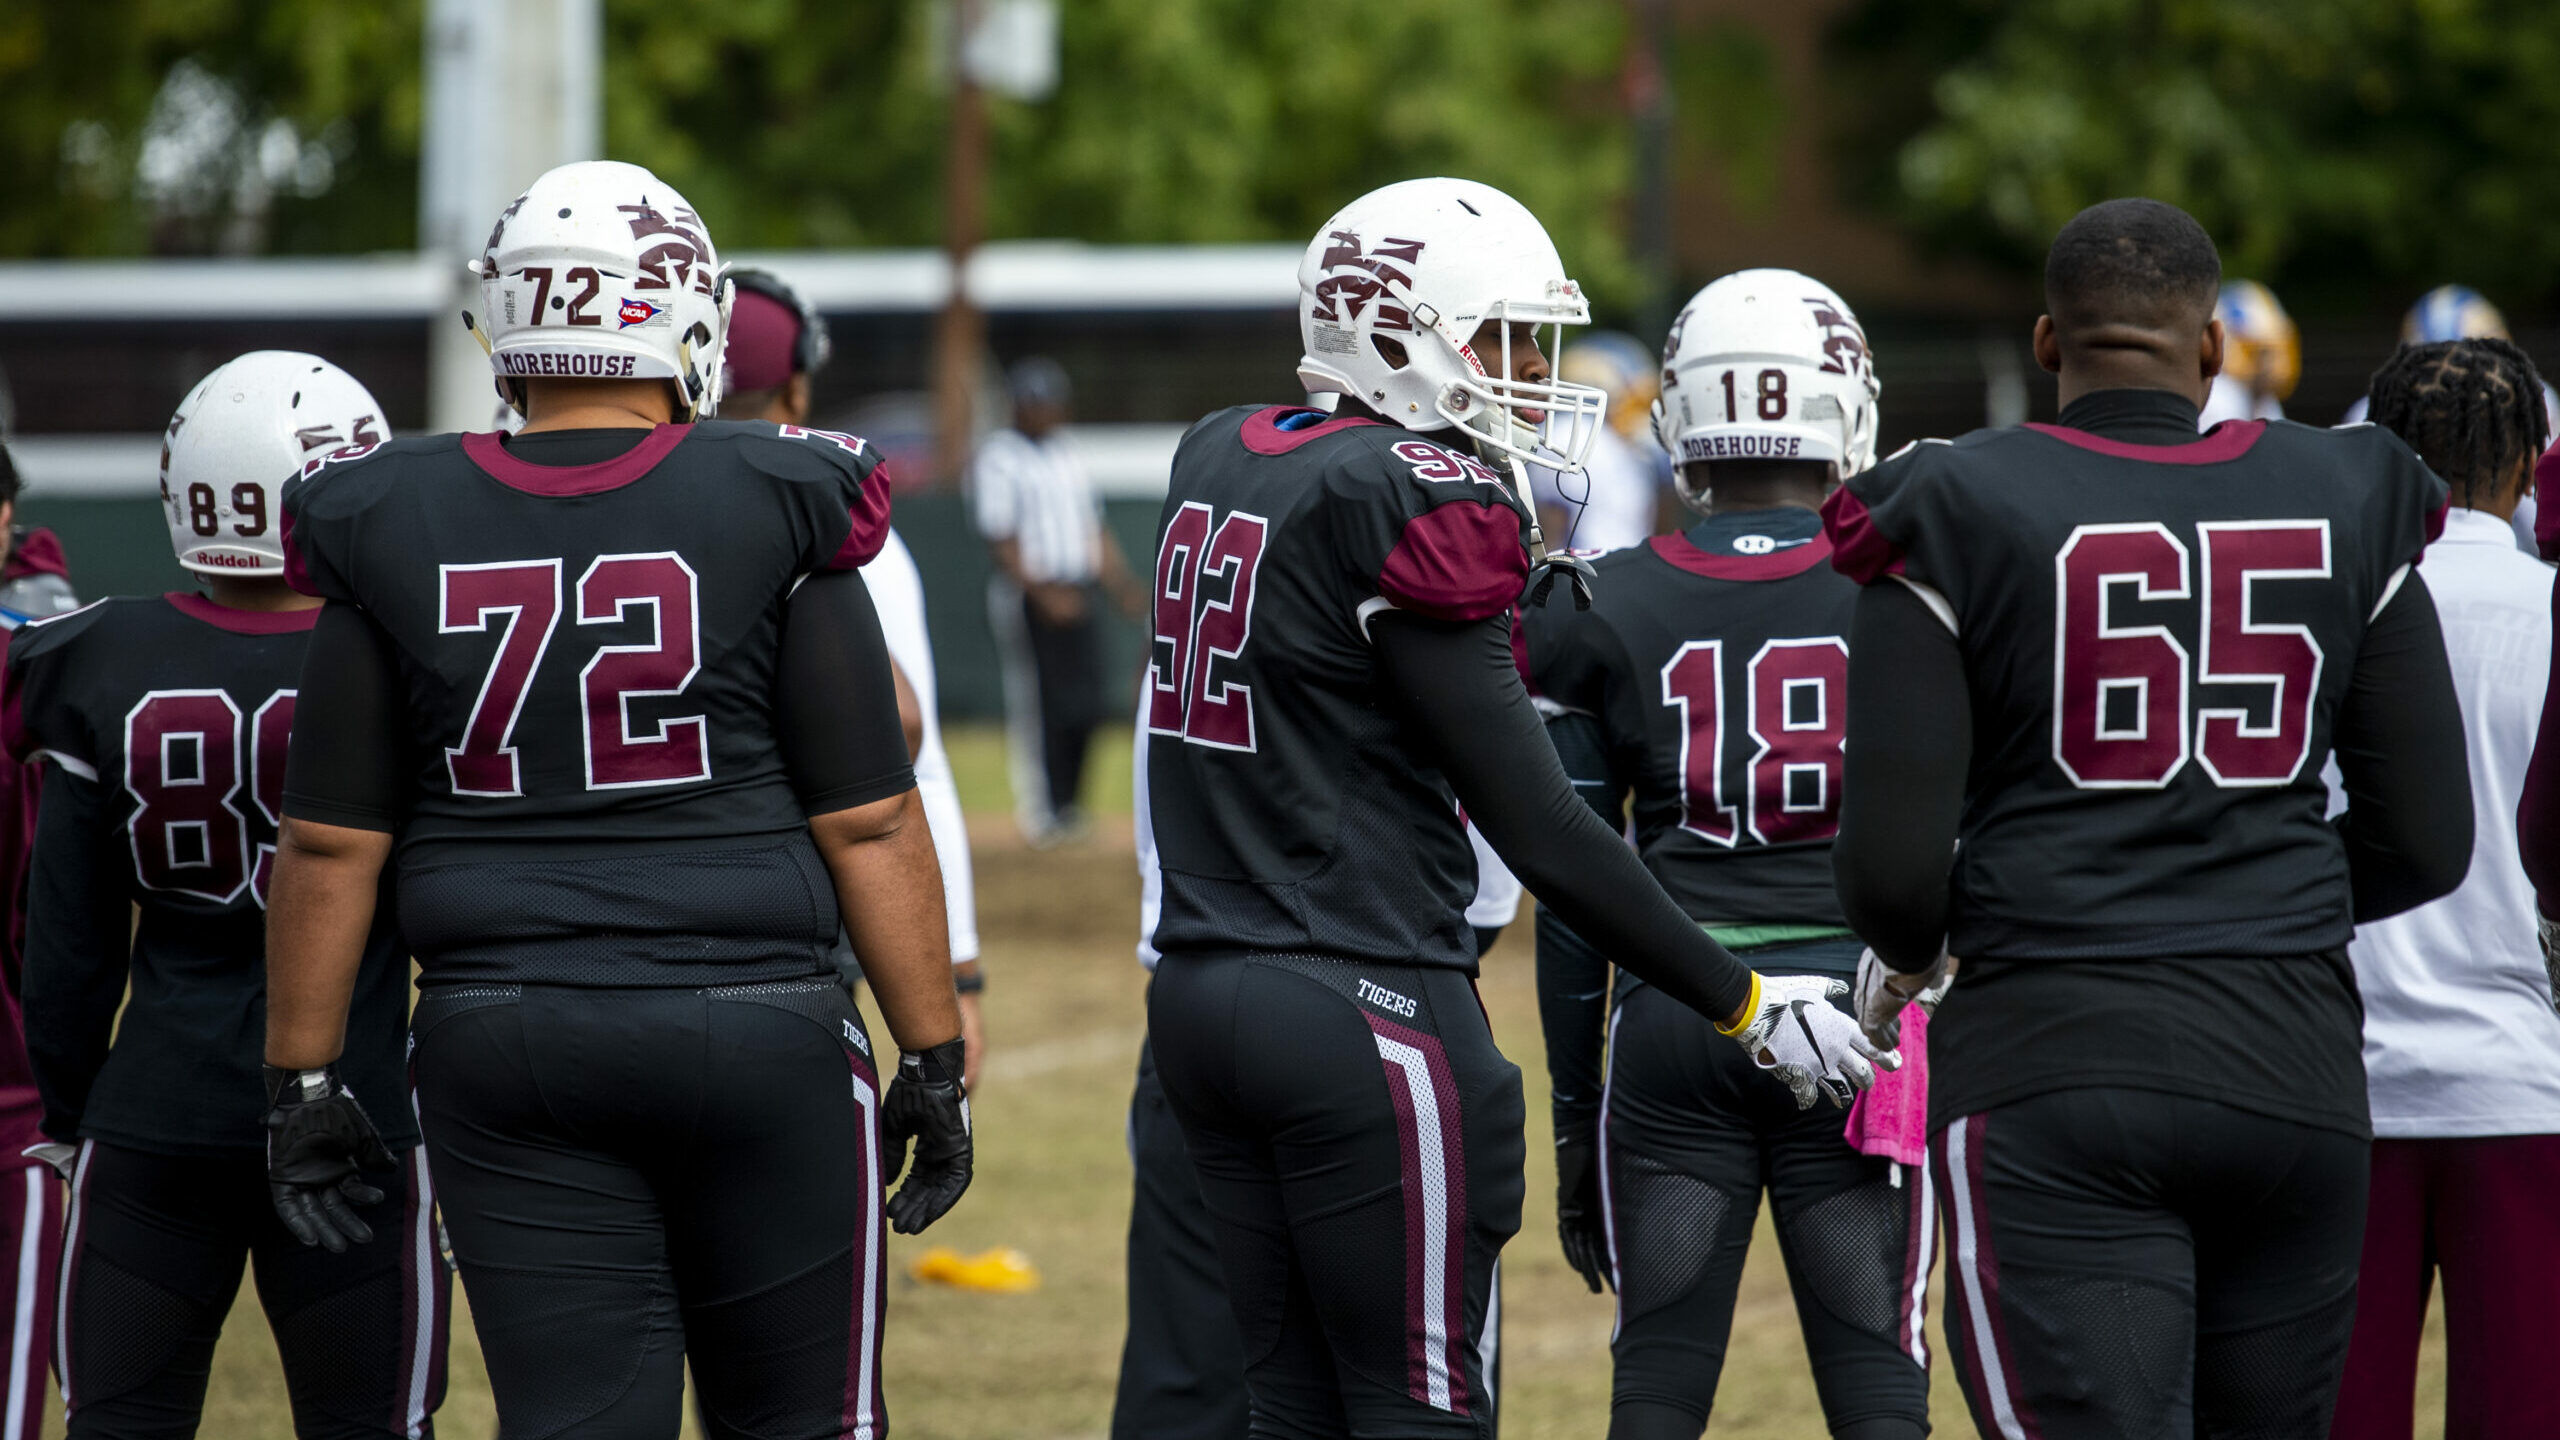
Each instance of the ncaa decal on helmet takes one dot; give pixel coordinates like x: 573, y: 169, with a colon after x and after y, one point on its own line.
x: 600, y: 270
x: 2452, y: 312
x: 243, y: 431
x: 1392, y: 291
x: 2261, y: 349
x: 1766, y: 365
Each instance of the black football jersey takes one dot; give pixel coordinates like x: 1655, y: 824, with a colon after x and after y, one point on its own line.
x: 1289, y: 812
x: 2157, y: 638
x: 174, y: 713
x: 1717, y: 664
x: 589, y: 653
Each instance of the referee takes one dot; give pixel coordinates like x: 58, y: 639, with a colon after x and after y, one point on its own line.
x: 1035, y: 505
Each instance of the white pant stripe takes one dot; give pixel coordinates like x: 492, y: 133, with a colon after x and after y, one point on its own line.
x: 1608, y: 1204
x: 868, y: 1424
x: 23, y: 1341
x: 1489, y: 1343
x: 1927, y: 1243
x: 1986, y: 1349
x: 1437, y: 1322
x: 70, y: 1269
x: 423, y: 1258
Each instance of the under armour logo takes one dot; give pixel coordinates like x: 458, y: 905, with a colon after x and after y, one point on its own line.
x: 1762, y: 545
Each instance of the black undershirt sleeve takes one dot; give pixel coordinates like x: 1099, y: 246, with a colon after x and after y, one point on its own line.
x: 1910, y: 742
x: 1573, y: 978
x: 2401, y: 751
x: 1455, y: 687
x: 348, y: 764
x: 835, y: 709
x: 79, y: 944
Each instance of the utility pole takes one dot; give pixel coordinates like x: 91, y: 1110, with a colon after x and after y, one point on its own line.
x: 511, y: 92
x: 1648, y: 95
x: 961, y: 337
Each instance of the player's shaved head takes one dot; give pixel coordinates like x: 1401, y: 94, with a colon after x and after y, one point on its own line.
x: 2129, y: 295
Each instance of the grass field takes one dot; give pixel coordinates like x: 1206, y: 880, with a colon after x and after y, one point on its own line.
x: 1064, y: 1010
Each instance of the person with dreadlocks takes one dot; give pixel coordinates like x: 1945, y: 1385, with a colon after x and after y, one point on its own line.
x: 2461, y: 1041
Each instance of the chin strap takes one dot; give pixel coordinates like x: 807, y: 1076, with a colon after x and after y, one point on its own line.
x: 1547, y: 566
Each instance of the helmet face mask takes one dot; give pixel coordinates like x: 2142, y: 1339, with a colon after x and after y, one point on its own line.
x: 1423, y: 265
x: 600, y: 270
x: 1766, y: 365
x: 241, y: 433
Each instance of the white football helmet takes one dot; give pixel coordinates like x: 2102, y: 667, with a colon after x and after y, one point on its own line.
x: 1766, y: 365
x: 600, y: 270
x: 1423, y: 263
x: 240, y: 434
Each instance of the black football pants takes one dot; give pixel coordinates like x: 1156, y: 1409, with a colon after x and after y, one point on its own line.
x: 2125, y: 1263
x: 1182, y: 1366
x: 1692, y: 1132
x: 635, y: 1176
x: 1358, y: 1140
x: 1068, y: 661
x: 153, y: 1247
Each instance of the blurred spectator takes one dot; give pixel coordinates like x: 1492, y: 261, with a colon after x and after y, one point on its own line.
x: 2461, y: 1042
x: 777, y: 345
x: 2261, y: 356
x: 33, y: 584
x: 1619, y: 498
x: 2458, y: 312
x: 1036, y: 507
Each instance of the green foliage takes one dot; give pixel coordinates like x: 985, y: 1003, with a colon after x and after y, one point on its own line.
x: 799, y: 123
x: 2326, y: 145
x: 1175, y: 120
x: 77, y: 84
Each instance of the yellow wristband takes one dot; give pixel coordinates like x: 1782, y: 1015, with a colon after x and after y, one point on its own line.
x: 1750, y: 1009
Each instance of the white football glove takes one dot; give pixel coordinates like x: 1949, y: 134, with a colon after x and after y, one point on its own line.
x: 1811, y: 1043
x: 1883, y: 991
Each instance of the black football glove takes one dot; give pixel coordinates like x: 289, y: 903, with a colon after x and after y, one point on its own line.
x: 929, y: 1105
x: 317, y: 1140
x: 1579, y: 1221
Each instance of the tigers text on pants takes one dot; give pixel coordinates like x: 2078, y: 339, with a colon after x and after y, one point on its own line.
x: 1359, y: 1145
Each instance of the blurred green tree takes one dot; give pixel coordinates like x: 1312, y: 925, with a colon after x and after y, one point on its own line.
x: 152, y: 125
x: 1174, y: 120
x: 207, y: 125
x: 2326, y: 145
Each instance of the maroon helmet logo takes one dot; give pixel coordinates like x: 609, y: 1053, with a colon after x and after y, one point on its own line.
x: 1355, y: 277
x: 682, y: 251
x: 489, y: 252
x: 1844, y: 345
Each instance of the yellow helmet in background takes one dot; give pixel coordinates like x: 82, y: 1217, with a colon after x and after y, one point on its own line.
x: 1620, y: 365
x: 2260, y: 347
x: 2452, y: 312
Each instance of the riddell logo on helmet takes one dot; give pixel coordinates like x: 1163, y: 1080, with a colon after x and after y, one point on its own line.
x: 221, y: 561
x: 579, y: 365
x: 1339, y: 296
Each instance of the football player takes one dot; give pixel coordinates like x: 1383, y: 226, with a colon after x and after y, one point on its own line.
x: 615, y: 685
x: 34, y: 583
x: 1330, y: 678
x: 164, y: 723
x: 2458, y: 312
x: 1708, y: 679
x: 777, y: 345
x: 2110, y: 655
x: 2461, y: 1046
x: 2262, y: 357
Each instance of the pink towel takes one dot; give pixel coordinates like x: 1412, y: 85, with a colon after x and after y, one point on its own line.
x: 1892, y: 1119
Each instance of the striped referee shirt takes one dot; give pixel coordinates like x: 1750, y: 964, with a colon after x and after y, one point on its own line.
x: 1036, y: 493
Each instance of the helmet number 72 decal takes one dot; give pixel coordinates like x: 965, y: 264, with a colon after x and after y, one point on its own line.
x: 1203, y: 619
